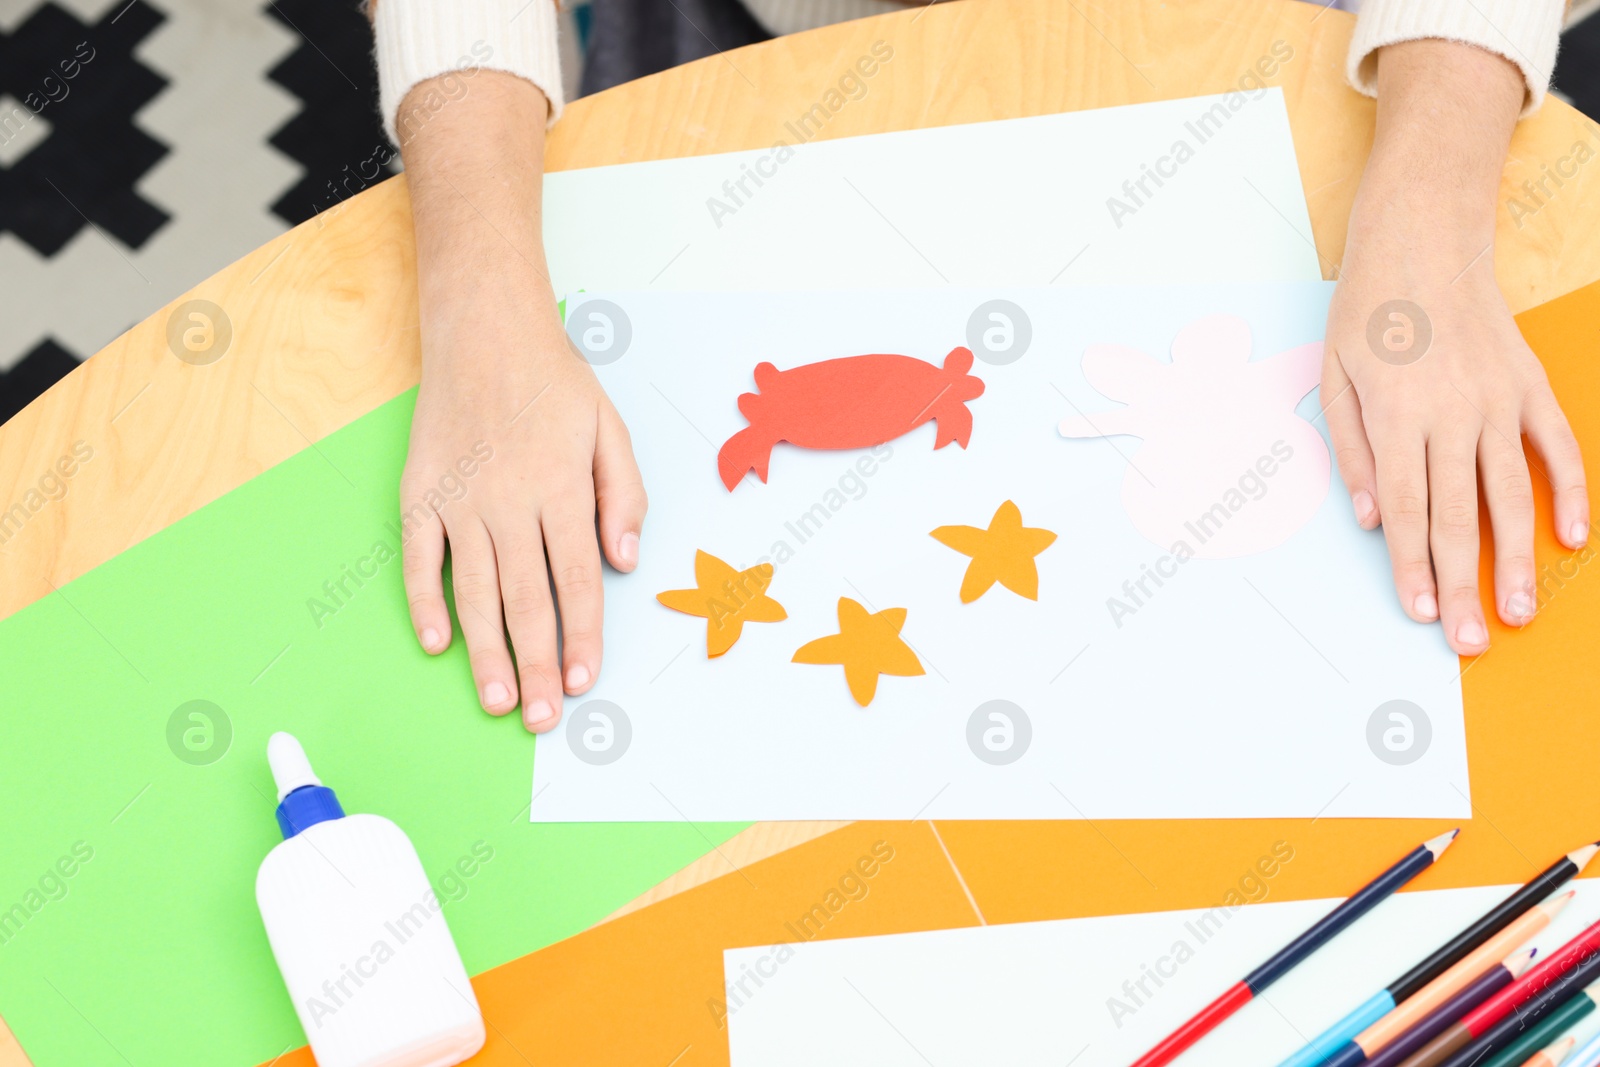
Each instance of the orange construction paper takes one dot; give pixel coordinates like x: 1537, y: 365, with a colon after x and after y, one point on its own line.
x: 1533, y: 725
x: 1003, y: 553
x: 853, y: 402
x: 867, y: 645
x: 726, y: 599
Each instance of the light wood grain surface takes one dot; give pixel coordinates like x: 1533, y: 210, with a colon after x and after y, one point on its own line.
x: 324, y: 318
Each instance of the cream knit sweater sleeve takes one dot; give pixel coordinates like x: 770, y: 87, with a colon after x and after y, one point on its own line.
x: 1524, y: 31
x: 422, y: 39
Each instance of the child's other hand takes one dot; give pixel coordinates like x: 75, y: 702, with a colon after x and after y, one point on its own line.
x: 1416, y: 431
x: 1427, y: 383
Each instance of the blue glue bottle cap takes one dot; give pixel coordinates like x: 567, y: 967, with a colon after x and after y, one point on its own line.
x: 303, y: 801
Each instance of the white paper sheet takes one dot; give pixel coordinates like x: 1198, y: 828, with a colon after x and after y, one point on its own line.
x: 1053, y: 993
x: 1012, y: 203
x: 1239, y: 688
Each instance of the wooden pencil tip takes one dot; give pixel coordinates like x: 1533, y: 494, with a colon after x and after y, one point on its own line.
x: 1440, y: 843
x: 1581, y: 856
x: 1553, y: 906
x: 1518, y: 962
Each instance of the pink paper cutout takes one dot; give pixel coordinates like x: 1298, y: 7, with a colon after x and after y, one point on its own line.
x: 1225, y: 467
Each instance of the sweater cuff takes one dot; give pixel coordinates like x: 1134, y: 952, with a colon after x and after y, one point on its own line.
x: 1524, y: 31
x: 421, y: 39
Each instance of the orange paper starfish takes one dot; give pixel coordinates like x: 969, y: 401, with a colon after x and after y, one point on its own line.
x: 726, y: 599
x: 1003, y: 553
x: 867, y: 646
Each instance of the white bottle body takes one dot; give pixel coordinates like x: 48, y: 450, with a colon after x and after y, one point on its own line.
x: 362, y: 942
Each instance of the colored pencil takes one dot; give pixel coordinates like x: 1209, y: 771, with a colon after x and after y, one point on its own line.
x: 1440, y: 1019
x: 1508, y: 1020
x: 1335, y: 1041
x: 1321, y: 932
x: 1477, y: 1021
x: 1587, y: 1055
x: 1552, y: 1055
x: 1551, y: 1025
x: 1374, y: 1041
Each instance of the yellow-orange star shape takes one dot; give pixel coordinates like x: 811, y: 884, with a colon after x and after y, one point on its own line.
x: 1003, y: 553
x: 726, y: 599
x: 867, y: 645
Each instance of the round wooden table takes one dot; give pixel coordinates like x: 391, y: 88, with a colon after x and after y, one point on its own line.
x: 325, y: 317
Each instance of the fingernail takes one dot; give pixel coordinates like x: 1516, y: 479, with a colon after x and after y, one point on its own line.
x: 537, y: 712
x: 1426, y: 606
x: 1580, y: 534
x: 430, y: 639
x: 1471, y: 633
x: 577, y: 676
x: 628, y: 548
x: 1519, y: 606
x: 494, y: 694
x: 1364, y: 506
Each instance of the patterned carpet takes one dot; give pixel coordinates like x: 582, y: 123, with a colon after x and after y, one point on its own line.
x: 146, y: 144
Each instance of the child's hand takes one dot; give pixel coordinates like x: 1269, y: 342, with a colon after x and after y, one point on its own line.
x: 1428, y: 385
x: 1414, y: 439
x: 498, y: 376
x: 560, y: 453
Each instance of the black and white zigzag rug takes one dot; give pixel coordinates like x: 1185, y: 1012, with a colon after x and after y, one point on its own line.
x: 146, y: 145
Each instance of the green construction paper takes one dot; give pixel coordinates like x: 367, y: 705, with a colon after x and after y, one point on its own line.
x: 151, y: 951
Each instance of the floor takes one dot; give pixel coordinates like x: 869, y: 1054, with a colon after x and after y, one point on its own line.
x: 145, y: 144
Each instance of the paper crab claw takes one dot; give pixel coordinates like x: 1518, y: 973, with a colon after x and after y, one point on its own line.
x: 958, y: 361
x: 766, y: 375
x: 746, y: 450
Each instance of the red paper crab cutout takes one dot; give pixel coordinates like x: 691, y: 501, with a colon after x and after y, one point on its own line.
x: 853, y: 402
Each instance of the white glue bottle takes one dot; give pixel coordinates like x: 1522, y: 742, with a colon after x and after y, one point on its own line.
x: 359, y: 933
